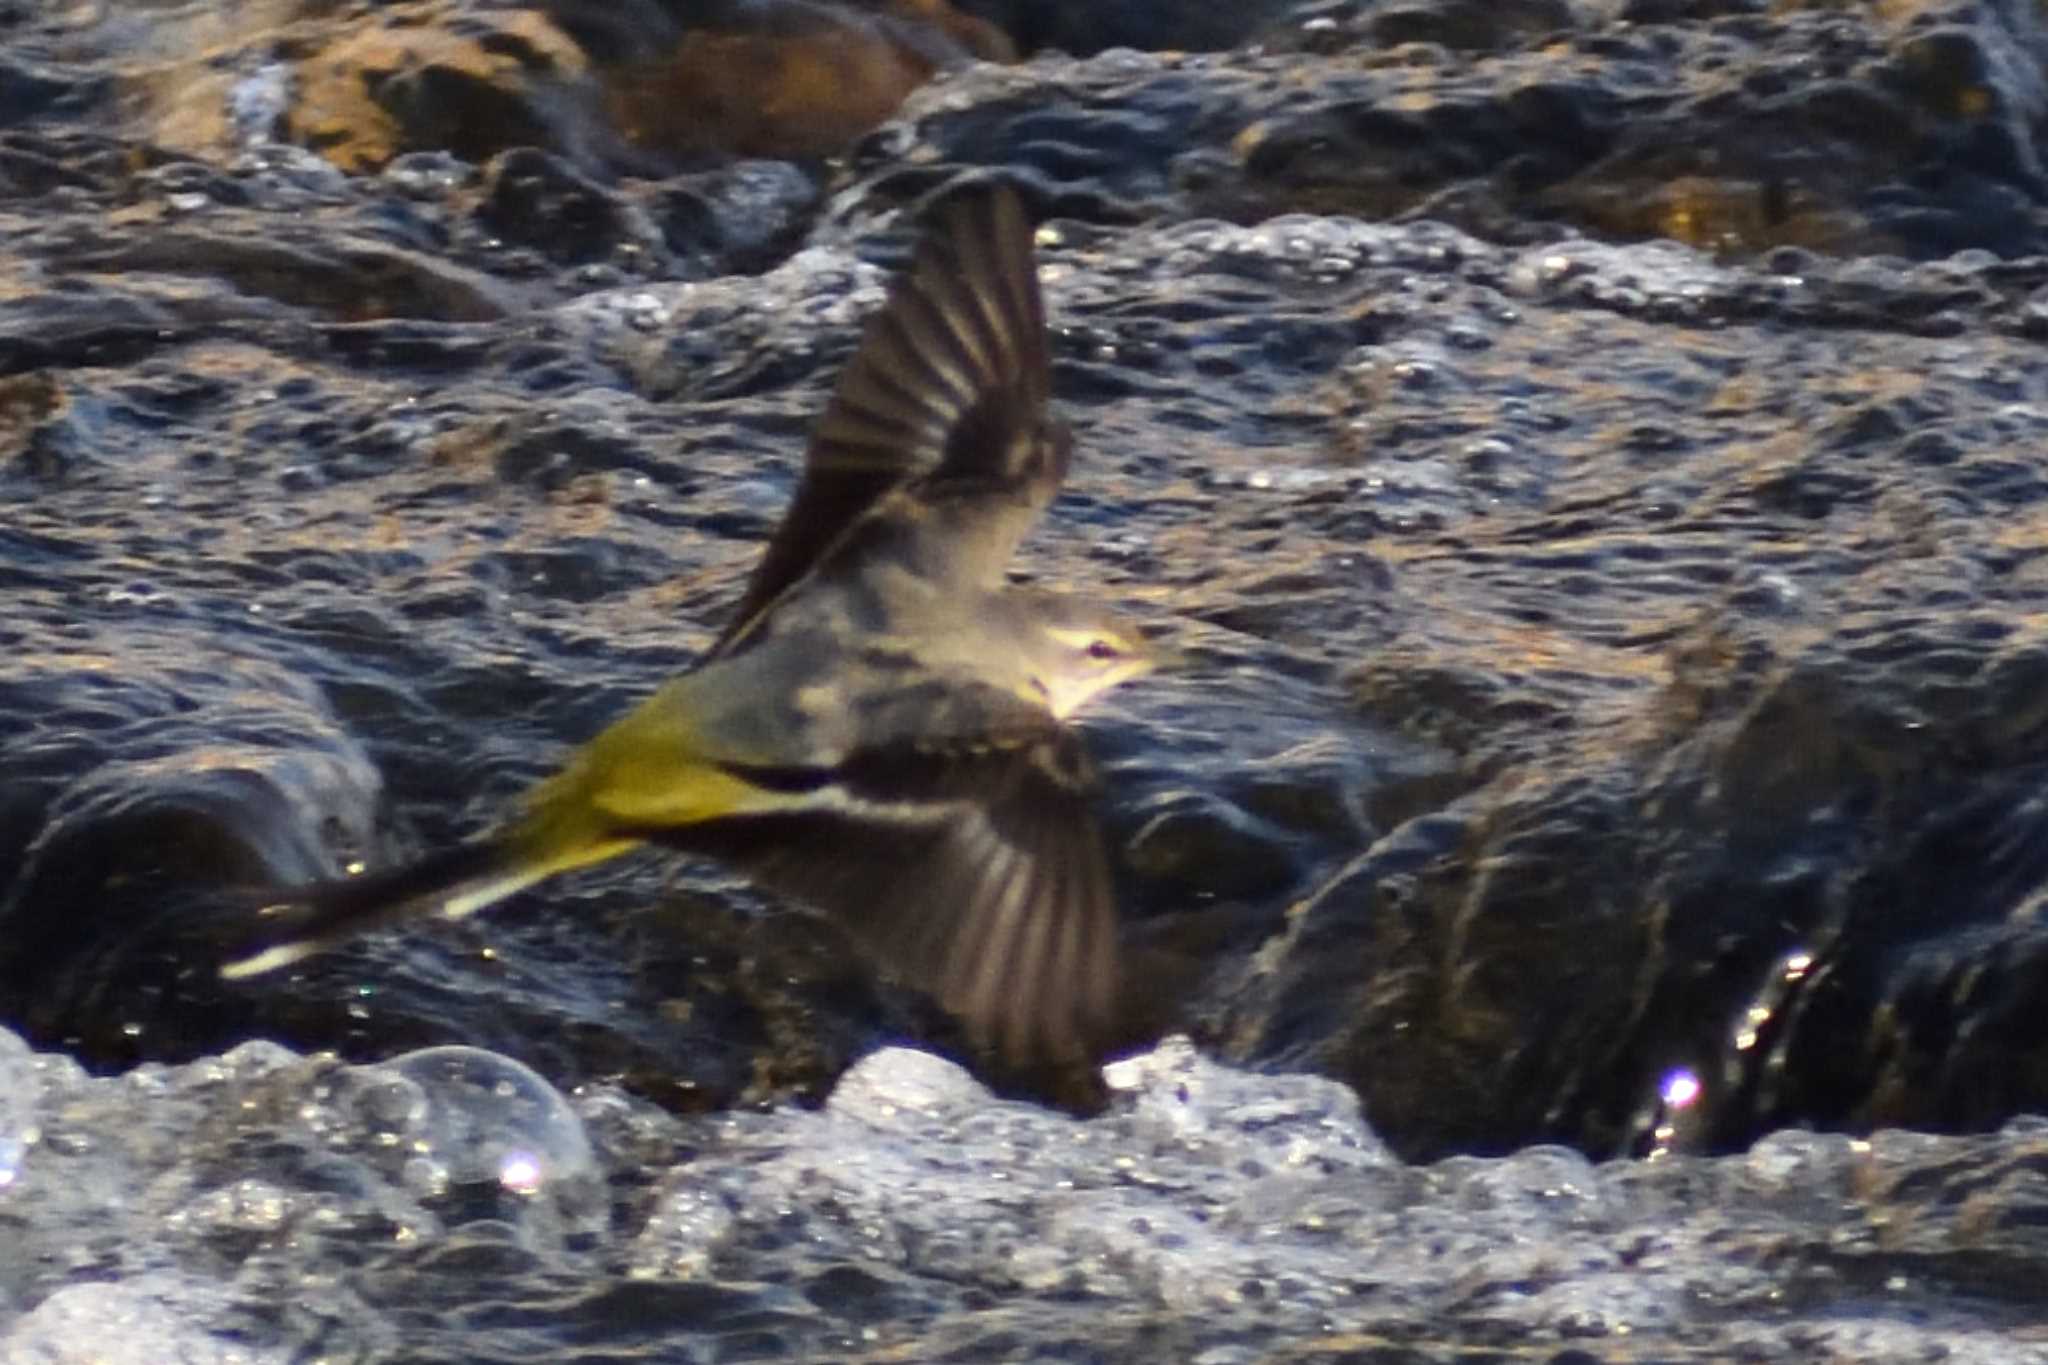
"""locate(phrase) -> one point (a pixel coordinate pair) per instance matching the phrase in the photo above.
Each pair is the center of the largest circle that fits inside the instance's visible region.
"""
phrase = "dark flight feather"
(975, 874)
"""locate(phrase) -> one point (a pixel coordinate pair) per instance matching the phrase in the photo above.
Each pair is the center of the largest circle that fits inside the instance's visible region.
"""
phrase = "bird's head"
(1075, 650)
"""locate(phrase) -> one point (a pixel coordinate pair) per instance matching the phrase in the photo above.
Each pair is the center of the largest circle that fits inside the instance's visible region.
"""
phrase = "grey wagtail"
(878, 731)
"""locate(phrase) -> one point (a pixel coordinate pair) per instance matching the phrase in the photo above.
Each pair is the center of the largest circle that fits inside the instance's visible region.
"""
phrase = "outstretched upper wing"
(948, 387)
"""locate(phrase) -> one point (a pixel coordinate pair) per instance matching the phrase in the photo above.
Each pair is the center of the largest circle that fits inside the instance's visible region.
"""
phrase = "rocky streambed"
(1589, 451)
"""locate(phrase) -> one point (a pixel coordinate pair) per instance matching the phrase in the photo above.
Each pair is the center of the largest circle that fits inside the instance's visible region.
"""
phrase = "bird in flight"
(879, 732)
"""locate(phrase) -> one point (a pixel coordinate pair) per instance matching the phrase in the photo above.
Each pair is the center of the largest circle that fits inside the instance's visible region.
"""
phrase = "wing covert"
(979, 877)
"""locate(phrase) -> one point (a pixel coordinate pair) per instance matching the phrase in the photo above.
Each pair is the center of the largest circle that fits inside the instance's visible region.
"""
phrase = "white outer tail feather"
(458, 902)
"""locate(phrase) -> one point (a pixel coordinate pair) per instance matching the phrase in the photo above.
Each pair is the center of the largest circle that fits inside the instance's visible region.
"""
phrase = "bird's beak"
(1163, 656)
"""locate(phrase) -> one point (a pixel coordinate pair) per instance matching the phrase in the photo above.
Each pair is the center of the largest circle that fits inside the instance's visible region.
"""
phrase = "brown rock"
(407, 80)
(796, 81)
(790, 79)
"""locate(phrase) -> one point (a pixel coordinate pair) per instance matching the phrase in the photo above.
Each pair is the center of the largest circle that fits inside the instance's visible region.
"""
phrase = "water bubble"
(488, 1118)
(471, 1135)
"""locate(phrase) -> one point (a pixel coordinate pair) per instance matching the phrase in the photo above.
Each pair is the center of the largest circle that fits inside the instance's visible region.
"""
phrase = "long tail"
(455, 882)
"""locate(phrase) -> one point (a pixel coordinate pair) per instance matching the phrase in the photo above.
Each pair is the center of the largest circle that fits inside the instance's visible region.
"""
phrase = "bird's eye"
(1103, 649)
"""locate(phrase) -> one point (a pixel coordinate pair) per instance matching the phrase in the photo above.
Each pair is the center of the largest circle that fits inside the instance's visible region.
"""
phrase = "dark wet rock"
(143, 791)
(1195, 846)
(1824, 130)
(624, 32)
(34, 89)
(1083, 29)
(738, 219)
(538, 200)
(332, 275)
(1770, 904)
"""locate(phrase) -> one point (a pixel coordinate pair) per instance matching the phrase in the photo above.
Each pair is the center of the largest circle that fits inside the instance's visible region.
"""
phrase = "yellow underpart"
(646, 773)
